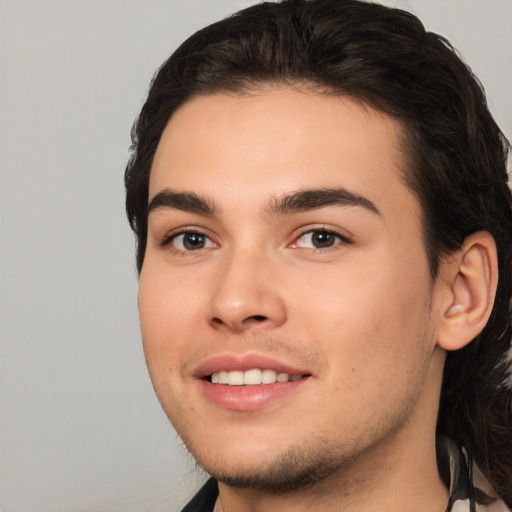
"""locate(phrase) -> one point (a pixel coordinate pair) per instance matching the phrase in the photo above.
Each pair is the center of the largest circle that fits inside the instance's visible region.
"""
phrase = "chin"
(298, 467)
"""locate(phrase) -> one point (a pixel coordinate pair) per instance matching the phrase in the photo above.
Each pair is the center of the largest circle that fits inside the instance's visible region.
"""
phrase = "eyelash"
(168, 239)
(342, 239)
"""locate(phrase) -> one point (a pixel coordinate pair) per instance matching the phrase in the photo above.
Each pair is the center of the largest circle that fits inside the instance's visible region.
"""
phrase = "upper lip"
(229, 362)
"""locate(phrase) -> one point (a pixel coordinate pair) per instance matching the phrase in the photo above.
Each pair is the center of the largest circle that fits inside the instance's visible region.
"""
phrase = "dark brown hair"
(456, 155)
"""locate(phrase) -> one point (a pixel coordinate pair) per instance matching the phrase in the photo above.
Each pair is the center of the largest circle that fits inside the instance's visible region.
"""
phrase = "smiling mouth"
(253, 377)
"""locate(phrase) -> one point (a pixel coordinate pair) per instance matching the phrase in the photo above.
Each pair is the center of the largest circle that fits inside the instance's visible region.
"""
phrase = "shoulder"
(496, 506)
(482, 487)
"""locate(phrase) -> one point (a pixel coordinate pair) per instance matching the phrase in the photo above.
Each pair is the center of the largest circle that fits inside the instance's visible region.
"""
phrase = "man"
(320, 200)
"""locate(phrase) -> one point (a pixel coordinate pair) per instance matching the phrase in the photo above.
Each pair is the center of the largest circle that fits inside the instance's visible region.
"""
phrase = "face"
(286, 306)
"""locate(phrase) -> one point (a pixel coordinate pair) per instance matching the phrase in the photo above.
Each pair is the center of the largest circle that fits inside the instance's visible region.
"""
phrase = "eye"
(319, 239)
(189, 241)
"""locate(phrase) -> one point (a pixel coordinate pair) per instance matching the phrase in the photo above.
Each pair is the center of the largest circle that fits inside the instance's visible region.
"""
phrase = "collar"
(466, 481)
(460, 490)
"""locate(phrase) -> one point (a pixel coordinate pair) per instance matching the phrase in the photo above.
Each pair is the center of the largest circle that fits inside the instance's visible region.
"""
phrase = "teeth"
(252, 377)
(236, 378)
(221, 377)
(268, 376)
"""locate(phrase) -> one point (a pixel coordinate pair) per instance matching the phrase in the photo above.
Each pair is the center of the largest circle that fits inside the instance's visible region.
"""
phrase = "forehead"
(266, 143)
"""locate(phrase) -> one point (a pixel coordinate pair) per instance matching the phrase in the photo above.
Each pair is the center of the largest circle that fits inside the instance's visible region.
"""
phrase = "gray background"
(80, 428)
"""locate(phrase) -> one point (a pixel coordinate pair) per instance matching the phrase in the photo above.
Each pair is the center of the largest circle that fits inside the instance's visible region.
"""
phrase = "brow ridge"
(184, 201)
(312, 199)
(300, 201)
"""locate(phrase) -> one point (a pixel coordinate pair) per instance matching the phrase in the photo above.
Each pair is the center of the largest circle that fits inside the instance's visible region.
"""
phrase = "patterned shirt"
(461, 487)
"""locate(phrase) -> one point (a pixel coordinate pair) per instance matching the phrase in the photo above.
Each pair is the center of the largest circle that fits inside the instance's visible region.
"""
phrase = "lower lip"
(248, 398)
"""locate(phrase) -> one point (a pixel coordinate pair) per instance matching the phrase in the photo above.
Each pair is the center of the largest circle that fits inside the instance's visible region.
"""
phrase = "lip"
(248, 398)
(243, 363)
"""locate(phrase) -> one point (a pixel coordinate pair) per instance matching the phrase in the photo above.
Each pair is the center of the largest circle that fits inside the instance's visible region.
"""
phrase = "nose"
(246, 295)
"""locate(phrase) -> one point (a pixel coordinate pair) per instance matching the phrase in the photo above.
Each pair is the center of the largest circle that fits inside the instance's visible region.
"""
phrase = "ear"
(469, 281)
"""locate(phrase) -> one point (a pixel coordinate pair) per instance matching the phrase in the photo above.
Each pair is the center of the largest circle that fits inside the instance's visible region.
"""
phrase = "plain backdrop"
(80, 427)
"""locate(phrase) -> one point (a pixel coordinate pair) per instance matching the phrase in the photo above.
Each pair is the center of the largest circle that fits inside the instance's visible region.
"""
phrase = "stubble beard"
(299, 467)
(317, 465)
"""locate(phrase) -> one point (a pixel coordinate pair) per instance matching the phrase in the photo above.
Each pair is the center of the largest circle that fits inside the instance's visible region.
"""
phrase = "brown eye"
(191, 241)
(322, 239)
(319, 239)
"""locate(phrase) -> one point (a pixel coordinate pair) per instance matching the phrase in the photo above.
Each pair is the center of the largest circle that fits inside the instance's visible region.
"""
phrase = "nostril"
(239, 324)
(256, 318)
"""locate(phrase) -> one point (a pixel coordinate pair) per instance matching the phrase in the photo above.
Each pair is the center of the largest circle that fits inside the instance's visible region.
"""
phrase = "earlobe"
(472, 279)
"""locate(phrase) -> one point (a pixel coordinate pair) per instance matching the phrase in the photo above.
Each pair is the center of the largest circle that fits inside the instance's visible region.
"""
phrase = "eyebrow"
(184, 201)
(300, 201)
(305, 200)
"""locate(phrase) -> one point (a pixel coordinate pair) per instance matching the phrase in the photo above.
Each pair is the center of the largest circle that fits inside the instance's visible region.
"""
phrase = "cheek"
(368, 317)
(168, 310)
(374, 338)
(165, 309)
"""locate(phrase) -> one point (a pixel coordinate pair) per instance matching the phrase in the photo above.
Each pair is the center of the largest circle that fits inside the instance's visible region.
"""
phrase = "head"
(453, 158)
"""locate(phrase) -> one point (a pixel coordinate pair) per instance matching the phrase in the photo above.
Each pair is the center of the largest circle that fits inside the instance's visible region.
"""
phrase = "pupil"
(193, 241)
(323, 239)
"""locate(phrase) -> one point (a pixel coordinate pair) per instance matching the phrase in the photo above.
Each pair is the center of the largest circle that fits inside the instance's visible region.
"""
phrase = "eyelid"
(166, 241)
(345, 238)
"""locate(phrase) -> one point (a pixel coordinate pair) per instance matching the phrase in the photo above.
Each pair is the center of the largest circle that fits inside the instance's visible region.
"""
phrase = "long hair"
(456, 159)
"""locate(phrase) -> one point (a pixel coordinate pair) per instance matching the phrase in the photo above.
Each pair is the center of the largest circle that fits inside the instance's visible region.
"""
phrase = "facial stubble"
(309, 465)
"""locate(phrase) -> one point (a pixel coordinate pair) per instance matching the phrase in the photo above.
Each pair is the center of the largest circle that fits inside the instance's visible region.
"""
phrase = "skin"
(360, 316)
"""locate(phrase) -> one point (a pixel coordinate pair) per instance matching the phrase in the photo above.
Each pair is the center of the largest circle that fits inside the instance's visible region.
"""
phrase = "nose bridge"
(245, 292)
